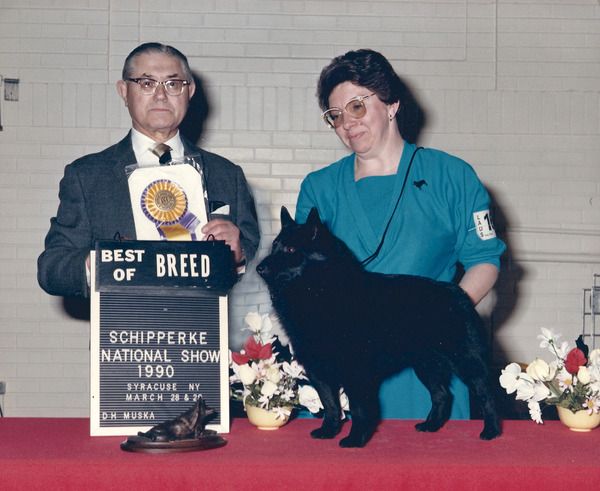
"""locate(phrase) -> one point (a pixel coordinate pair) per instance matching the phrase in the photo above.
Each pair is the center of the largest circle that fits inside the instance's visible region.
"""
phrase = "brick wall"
(510, 86)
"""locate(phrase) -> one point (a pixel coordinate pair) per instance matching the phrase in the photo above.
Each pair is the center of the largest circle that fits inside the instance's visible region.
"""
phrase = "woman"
(401, 209)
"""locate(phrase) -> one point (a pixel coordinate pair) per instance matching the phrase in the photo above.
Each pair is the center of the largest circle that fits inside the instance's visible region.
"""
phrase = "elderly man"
(95, 204)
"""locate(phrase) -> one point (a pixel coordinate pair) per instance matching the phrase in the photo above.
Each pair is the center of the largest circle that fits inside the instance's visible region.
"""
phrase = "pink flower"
(575, 359)
(253, 350)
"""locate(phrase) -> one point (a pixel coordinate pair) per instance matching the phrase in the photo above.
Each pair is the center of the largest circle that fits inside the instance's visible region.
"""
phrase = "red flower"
(253, 350)
(575, 359)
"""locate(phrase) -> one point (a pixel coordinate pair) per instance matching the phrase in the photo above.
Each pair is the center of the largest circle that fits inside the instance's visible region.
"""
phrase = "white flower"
(548, 337)
(555, 366)
(510, 377)
(281, 412)
(309, 398)
(562, 350)
(254, 321)
(527, 389)
(538, 369)
(273, 374)
(288, 395)
(260, 325)
(583, 375)
(294, 370)
(344, 401)
(246, 374)
(266, 335)
(565, 380)
(268, 388)
(535, 412)
(592, 405)
(594, 357)
(594, 373)
(530, 390)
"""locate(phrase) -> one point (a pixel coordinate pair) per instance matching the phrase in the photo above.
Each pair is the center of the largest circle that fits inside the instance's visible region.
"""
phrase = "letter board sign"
(159, 333)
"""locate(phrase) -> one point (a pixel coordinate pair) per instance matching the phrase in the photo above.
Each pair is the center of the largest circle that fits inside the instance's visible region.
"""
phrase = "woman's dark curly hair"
(373, 71)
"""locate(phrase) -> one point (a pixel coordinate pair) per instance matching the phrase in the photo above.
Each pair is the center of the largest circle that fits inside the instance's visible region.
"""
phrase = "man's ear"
(191, 89)
(286, 219)
(122, 90)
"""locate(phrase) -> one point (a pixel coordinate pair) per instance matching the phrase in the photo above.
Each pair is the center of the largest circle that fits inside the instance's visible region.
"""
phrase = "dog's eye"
(289, 249)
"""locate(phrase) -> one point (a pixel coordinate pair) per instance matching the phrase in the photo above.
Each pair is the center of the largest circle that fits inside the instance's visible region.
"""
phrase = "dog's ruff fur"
(351, 328)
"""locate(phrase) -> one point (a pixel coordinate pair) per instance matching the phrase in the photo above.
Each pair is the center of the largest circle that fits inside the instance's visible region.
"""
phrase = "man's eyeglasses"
(355, 108)
(149, 85)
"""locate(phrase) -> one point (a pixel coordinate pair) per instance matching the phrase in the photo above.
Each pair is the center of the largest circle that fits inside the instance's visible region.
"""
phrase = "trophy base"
(208, 440)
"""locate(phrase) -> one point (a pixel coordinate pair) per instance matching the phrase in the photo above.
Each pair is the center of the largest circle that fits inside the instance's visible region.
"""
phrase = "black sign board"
(159, 333)
(206, 266)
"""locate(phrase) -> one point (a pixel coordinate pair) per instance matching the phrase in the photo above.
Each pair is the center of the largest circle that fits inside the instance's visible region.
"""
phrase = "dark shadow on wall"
(411, 117)
(192, 126)
(511, 274)
(506, 302)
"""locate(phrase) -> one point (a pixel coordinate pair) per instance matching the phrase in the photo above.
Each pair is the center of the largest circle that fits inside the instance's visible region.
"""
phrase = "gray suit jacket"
(95, 205)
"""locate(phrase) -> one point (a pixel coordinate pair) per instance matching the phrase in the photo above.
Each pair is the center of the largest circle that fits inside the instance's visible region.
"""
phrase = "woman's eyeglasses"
(355, 108)
(149, 85)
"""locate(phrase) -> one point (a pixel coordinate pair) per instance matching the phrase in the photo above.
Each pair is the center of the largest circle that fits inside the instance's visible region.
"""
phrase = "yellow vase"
(578, 421)
(265, 420)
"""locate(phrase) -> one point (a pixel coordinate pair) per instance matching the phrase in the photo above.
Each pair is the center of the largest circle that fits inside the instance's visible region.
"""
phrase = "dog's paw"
(325, 432)
(428, 426)
(353, 442)
(490, 433)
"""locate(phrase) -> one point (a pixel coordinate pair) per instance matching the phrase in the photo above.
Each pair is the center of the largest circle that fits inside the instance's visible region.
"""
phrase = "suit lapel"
(123, 156)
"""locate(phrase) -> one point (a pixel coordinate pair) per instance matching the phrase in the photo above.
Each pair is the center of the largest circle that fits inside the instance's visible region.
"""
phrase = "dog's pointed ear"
(286, 218)
(313, 217)
(314, 222)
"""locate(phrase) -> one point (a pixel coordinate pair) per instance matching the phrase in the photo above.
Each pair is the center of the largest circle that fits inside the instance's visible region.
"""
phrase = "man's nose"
(160, 92)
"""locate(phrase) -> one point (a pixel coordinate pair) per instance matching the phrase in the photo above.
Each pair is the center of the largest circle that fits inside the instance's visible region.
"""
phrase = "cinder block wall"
(510, 86)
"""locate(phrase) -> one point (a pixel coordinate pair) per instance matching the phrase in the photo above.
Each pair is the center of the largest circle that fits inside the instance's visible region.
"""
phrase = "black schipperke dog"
(351, 328)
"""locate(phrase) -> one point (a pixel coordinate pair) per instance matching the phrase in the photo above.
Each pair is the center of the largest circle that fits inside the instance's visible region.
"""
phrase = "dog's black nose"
(261, 269)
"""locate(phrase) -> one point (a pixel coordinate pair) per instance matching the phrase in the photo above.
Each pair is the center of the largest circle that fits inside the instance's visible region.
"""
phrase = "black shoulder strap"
(366, 261)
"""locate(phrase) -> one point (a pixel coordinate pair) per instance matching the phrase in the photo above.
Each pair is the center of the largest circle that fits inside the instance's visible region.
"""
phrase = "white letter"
(205, 265)
(160, 265)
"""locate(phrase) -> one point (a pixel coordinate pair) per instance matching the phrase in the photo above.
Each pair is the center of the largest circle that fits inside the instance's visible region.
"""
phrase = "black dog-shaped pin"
(351, 328)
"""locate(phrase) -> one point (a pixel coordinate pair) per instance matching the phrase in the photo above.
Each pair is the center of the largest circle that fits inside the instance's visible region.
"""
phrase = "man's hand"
(225, 230)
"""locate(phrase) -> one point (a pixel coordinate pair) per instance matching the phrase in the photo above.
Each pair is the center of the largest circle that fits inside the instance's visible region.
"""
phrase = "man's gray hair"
(155, 48)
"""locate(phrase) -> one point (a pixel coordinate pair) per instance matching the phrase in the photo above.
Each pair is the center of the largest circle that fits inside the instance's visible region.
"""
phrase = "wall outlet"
(2, 388)
(11, 89)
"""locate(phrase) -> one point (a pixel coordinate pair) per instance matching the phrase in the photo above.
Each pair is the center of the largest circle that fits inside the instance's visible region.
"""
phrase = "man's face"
(156, 115)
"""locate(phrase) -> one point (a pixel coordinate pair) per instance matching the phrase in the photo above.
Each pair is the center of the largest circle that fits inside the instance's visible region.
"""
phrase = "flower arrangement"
(571, 380)
(265, 373)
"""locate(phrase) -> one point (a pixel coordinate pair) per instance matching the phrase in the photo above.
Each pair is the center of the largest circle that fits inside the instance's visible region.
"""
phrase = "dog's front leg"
(332, 414)
(365, 410)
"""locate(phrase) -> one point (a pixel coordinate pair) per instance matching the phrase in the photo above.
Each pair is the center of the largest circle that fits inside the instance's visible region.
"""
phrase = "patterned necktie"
(163, 152)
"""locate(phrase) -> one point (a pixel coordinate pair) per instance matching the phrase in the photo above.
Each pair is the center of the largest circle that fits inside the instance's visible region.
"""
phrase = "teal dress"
(442, 220)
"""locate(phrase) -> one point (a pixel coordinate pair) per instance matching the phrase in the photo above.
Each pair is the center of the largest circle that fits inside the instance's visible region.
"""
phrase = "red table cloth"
(57, 453)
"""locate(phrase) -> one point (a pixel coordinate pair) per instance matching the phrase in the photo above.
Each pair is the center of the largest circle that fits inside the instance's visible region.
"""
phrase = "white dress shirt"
(143, 145)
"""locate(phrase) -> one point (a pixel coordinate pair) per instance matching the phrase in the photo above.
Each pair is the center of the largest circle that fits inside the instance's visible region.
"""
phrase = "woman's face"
(368, 135)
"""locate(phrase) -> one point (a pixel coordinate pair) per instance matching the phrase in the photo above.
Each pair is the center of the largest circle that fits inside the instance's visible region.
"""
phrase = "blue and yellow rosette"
(165, 203)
